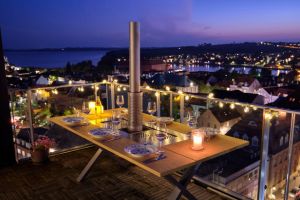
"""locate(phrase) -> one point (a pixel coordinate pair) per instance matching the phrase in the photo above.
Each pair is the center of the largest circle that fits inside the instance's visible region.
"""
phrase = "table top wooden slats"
(179, 155)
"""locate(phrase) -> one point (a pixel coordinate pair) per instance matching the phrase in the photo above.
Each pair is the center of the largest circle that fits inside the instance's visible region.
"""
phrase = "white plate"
(73, 121)
(140, 150)
(100, 132)
(167, 120)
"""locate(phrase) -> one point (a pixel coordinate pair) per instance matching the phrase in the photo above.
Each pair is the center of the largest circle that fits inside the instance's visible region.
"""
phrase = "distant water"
(52, 59)
(240, 70)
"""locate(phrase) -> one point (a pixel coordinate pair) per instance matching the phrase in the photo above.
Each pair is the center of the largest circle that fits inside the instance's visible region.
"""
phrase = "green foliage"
(203, 88)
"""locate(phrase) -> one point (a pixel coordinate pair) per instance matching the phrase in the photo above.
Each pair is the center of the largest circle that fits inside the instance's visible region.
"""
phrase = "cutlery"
(160, 156)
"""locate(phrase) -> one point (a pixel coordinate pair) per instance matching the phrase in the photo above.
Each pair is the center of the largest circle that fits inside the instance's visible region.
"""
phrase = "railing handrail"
(227, 101)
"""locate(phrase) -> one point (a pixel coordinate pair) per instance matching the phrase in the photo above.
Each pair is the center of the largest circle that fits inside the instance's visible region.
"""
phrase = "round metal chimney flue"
(135, 123)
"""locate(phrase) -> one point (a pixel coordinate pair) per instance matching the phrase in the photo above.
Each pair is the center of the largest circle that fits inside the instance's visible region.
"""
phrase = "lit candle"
(198, 139)
(92, 106)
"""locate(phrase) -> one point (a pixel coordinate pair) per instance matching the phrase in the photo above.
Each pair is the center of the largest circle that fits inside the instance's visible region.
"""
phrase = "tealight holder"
(198, 136)
(92, 107)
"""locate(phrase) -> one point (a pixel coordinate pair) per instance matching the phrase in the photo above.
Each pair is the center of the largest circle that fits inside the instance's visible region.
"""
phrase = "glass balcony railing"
(268, 168)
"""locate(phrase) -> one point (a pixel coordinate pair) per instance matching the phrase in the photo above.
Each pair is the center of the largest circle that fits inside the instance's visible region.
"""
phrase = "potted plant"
(40, 150)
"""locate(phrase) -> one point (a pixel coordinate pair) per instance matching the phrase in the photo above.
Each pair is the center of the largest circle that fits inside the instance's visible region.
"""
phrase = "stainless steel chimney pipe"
(135, 123)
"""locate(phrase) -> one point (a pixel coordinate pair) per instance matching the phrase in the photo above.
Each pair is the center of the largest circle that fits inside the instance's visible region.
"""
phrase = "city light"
(232, 106)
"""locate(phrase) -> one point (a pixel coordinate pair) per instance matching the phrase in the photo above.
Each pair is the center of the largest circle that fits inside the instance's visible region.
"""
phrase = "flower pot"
(39, 155)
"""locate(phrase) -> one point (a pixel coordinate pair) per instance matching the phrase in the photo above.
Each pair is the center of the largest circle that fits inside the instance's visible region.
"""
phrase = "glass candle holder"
(198, 139)
(92, 107)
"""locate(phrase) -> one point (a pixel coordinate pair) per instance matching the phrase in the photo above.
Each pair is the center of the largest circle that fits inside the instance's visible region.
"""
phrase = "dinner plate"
(100, 132)
(140, 150)
(167, 120)
(73, 121)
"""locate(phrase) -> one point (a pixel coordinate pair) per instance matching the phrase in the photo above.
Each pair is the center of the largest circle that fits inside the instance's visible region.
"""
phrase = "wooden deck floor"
(110, 178)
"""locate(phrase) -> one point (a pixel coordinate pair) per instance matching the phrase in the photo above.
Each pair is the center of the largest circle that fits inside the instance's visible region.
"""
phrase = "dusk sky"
(104, 23)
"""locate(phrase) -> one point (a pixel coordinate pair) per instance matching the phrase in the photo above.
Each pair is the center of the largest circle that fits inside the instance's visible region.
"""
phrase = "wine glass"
(151, 108)
(76, 111)
(120, 101)
(191, 120)
(85, 108)
(116, 120)
(161, 136)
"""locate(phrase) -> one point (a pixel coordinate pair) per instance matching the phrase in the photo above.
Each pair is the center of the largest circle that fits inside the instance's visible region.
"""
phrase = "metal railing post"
(264, 154)
(171, 104)
(95, 92)
(29, 111)
(181, 108)
(157, 94)
(290, 156)
(112, 94)
(106, 93)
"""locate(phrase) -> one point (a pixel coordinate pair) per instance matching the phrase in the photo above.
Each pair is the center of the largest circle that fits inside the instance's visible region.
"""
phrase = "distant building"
(238, 96)
(268, 96)
(42, 81)
(245, 84)
(180, 82)
(220, 119)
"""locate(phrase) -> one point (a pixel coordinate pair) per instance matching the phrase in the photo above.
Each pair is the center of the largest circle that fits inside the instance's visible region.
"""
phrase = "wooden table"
(179, 155)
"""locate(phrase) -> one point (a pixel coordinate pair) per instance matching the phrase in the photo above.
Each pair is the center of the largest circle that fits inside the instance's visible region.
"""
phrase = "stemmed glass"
(161, 136)
(151, 108)
(120, 101)
(116, 120)
(76, 111)
(191, 120)
(85, 109)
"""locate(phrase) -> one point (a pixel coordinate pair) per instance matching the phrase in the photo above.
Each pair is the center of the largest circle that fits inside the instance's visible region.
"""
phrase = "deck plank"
(108, 179)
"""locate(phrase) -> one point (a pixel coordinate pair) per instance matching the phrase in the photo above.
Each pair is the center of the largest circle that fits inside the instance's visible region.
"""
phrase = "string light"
(221, 104)
(55, 91)
(210, 95)
(81, 89)
(268, 115)
(232, 106)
